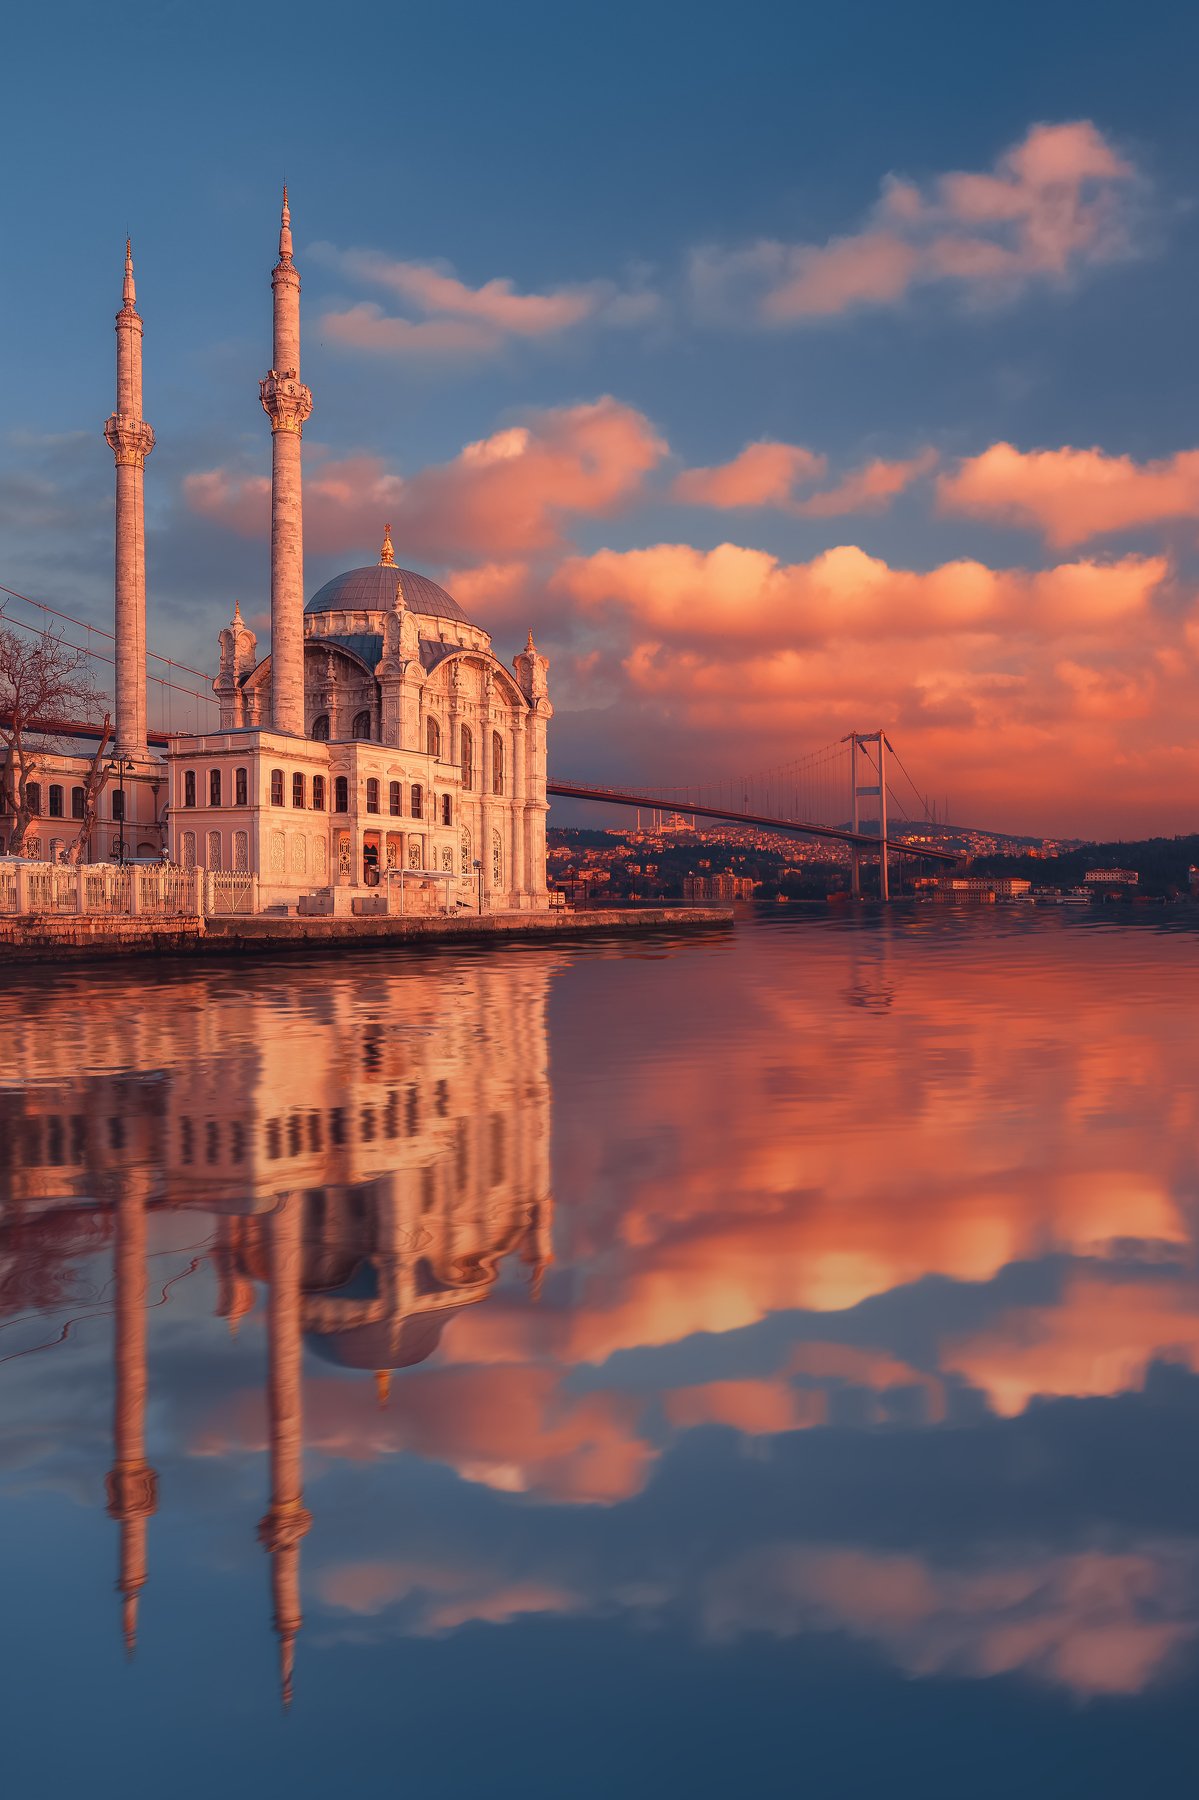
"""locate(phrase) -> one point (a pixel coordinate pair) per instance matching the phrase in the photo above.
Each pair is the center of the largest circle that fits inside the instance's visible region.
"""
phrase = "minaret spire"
(285, 245)
(287, 403)
(131, 440)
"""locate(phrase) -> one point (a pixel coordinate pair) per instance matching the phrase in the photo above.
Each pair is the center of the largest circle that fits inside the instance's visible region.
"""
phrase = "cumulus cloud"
(1071, 495)
(460, 320)
(499, 500)
(695, 596)
(767, 475)
(1054, 204)
(1023, 682)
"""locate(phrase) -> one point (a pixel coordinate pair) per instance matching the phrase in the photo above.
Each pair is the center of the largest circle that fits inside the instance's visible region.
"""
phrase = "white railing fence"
(99, 890)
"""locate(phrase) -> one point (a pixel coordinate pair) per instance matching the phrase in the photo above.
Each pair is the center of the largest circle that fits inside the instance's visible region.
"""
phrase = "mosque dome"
(386, 1344)
(372, 590)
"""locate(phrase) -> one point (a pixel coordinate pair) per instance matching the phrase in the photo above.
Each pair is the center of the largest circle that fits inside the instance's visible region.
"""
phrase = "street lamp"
(479, 867)
(120, 766)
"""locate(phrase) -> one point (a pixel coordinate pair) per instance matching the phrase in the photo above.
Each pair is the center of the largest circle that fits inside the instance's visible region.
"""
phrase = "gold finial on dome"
(387, 556)
(383, 1385)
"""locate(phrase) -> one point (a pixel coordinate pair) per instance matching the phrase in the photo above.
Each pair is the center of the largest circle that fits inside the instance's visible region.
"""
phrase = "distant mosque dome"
(373, 591)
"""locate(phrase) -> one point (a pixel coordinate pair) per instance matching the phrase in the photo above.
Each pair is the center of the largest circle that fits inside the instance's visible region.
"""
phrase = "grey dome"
(373, 590)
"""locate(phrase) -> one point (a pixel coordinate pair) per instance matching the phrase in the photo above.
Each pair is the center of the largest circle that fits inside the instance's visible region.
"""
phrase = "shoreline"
(46, 938)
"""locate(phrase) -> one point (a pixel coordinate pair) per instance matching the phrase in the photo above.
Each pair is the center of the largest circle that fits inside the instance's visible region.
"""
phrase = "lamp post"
(120, 766)
(479, 867)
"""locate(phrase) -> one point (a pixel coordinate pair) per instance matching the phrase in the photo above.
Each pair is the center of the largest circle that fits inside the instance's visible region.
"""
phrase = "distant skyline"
(788, 374)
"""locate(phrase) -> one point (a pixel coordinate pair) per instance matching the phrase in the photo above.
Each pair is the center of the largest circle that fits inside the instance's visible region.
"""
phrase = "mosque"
(379, 733)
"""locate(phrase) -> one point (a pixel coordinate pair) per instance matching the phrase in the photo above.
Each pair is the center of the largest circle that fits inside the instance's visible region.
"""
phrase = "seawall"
(38, 938)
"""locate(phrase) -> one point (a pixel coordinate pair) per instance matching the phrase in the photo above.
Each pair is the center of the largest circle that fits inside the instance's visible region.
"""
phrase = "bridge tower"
(857, 742)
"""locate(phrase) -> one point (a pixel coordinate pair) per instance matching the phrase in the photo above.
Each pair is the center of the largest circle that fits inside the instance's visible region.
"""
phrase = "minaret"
(286, 1521)
(131, 441)
(132, 1484)
(287, 403)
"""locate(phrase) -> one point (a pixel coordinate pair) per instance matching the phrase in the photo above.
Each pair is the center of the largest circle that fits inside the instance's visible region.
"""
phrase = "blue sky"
(599, 158)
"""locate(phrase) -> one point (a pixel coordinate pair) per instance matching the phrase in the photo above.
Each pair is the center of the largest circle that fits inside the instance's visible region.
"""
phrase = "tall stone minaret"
(131, 441)
(132, 1484)
(287, 403)
(286, 1520)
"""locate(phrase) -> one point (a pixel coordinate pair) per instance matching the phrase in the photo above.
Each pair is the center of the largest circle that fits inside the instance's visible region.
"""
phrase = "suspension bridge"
(818, 796)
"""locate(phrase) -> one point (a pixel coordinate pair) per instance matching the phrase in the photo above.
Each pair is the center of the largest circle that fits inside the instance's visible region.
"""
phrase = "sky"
(789, 370)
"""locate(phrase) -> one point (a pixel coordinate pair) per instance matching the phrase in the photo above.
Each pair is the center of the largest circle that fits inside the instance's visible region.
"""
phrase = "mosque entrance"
(370, 858)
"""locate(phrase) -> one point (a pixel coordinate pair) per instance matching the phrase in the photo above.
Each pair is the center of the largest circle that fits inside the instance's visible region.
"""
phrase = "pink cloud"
(1070, 495)
(766, 474)
(465, 321)
(1095, 1622)
(761, 475)
(440, 1597)
(499, 500)
(1052, 205)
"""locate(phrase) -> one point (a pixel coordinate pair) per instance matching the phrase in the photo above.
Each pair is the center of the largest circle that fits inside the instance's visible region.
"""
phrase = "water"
(759, 1362)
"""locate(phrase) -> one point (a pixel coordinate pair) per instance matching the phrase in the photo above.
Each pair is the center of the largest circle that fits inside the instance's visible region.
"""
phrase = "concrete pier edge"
(43, 938)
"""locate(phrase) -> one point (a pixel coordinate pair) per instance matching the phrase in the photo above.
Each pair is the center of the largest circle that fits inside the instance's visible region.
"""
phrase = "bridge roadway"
(569, 790)
(865, 840)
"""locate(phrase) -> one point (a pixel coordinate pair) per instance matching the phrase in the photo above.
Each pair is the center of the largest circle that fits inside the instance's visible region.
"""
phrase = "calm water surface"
(763, 1363)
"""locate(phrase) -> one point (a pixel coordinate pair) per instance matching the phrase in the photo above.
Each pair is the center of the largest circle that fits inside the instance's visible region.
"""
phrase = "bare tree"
(93, 782)
(44, 683)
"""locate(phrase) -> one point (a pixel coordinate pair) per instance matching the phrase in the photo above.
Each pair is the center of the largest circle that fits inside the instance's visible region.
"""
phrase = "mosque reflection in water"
(368, 1176)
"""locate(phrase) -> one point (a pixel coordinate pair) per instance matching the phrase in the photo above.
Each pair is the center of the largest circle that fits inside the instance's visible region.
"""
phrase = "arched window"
(239, 787)
(298, 785)
(214, 849)
(214, 787)
(33, 794)
(468, 757)
(418, 801)
(395, 803)
(318, 793)
(320, 728)
(447, 810)
(77, 799)
(55, 801)
(362, 726)
(189, 849)
(497, 763)
(432, 737)
(341, 794)
(189, 787)
(372, 795)
(276, 787)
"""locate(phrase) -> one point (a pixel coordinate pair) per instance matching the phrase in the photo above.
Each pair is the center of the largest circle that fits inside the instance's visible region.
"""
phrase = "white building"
(380, 732)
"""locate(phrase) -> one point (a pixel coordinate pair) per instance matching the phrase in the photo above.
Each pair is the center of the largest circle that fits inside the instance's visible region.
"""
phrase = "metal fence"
(230, 892)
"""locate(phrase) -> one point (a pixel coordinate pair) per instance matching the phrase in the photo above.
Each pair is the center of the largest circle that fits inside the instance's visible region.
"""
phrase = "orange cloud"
(499, 499)
(1052, 205)
(461, 320)
(697, 596)
(756, 1408)
(767, 474)
(1071, 495)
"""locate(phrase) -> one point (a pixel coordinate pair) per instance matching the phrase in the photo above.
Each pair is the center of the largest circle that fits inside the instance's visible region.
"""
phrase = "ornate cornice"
(130, 440)
(285, 401)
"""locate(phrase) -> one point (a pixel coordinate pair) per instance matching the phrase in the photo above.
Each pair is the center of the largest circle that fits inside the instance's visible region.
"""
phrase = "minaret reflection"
(286, 1520)
(372, 1155)
(132, 1485)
